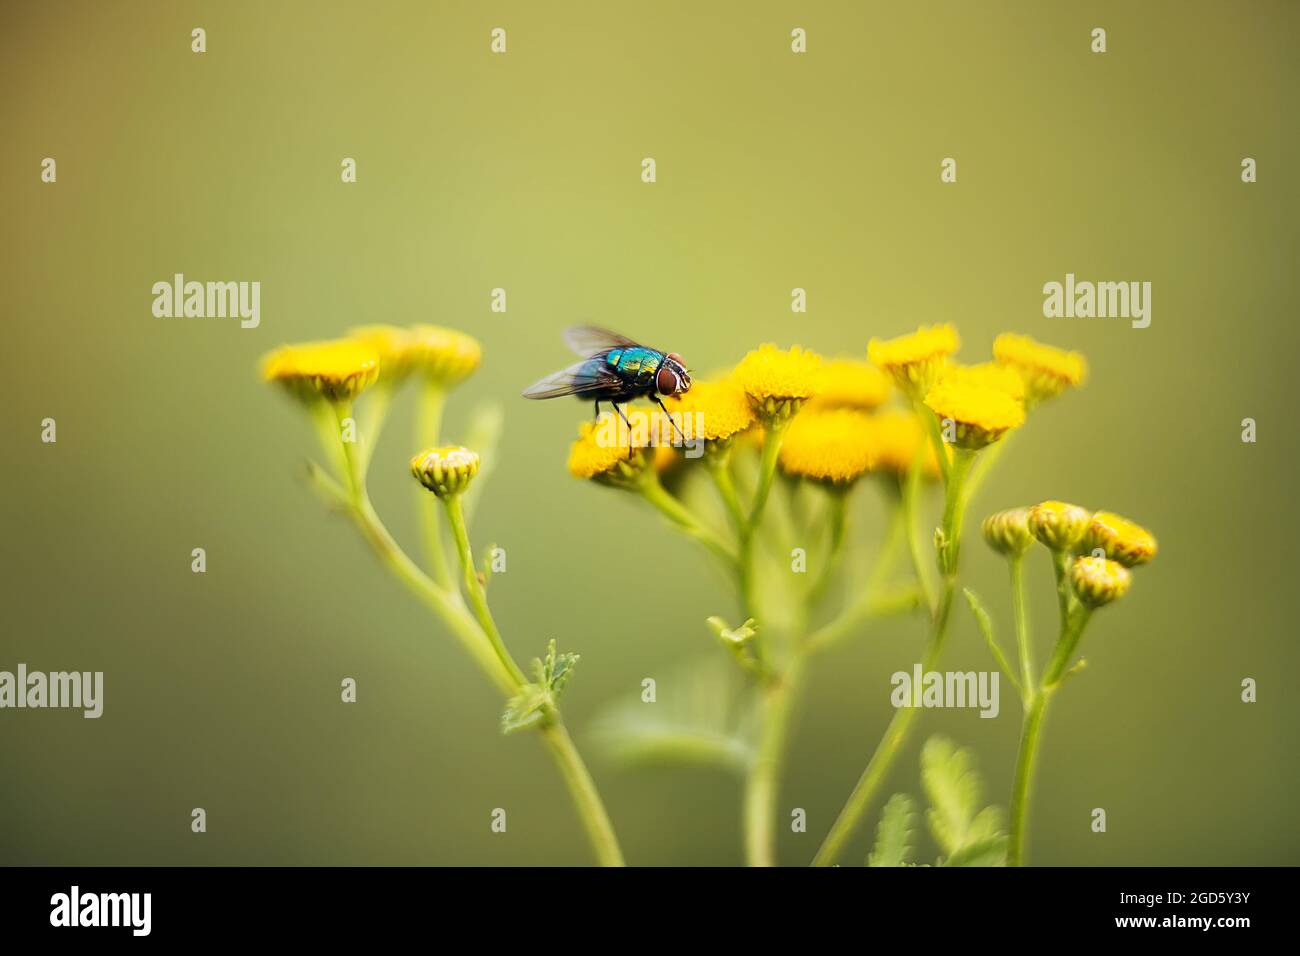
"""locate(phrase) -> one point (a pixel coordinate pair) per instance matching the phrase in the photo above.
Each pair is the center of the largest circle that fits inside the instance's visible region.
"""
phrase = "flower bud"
(445, 471)
(1007, 532)
(1098, 581)
(1120, 539)
(1058, 525)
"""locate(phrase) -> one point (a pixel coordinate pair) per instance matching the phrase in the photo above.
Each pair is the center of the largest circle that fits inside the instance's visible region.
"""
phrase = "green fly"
(615, 369)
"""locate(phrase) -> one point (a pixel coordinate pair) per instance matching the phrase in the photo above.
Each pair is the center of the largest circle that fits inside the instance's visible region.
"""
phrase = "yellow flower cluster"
(1107, 545)
(445, 471)
(778, 381)
(336, 370)
(340, 369)
(915, 360)
(1119, 539)
(1099, 581)
(1046, 370)
(981, 414)
(897, 438)
(608, 451)
(849, 383)
(1058, 524)
(443, 356)
(986, 375)
(723, 409)
(833, 446)
(1008, 531)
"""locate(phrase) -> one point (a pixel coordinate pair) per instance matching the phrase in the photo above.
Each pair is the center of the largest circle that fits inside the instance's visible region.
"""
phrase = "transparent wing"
(588, 340)
(583, 378)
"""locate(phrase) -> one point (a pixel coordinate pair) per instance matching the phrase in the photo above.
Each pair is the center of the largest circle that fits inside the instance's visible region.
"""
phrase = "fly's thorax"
(637, 365)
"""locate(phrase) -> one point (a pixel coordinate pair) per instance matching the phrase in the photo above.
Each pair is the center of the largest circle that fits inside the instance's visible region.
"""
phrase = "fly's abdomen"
(636, 366)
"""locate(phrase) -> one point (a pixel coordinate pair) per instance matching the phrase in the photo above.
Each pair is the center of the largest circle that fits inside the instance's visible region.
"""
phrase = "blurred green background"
(522, 171)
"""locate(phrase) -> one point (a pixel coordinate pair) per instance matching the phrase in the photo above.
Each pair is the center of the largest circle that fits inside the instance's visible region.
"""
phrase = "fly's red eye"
(676, 358)
(666, 382)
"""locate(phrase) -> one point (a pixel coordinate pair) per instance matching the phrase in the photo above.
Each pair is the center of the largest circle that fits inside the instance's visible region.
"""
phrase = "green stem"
(496, 662)
(454, 615)
(582, 789)
(838, 506)
(988, 459)
(895, 736)
(869, 598)
(379, 399)
(680, 515)
(764, 778)
(933, 429)
(954, 508)
(1017, 564)
(428, 427)
(1064, 593)
(356, 480)
(720, 469)
(474, 587)
(1072, 629)
(772, 440)
(1030, 733)
(920, 567)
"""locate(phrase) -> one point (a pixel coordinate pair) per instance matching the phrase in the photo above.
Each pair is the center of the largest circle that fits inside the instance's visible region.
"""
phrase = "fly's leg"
(597, 417)
(629, 428)
(660, 402)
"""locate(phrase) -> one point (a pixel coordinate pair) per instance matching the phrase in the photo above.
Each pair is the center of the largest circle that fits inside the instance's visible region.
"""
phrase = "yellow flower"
(337, 370)
(1047, 371)
(1120, 539)
(1059, 525)
(445, 356)
(849, 383)
(915, 360)
(665, 458)
(981, 414)
(608, 452)
(832, 446)
(714, 411)
(392, 343)
(1098, 581)
(897, 437)
(1007, 532)
(987, 375)
(445, 471)
(777, 381)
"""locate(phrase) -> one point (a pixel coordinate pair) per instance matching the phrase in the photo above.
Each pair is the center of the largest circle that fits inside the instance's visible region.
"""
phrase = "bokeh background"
(522, 171)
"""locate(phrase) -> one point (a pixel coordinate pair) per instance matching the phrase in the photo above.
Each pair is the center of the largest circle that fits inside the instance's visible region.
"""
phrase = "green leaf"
(555, 671)
(955, 792)
(894, 833)
(525, 709)
(733, 635)
(739, 641)
(981, 615)
(991, 851)
(528, 707)
(986, 628)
